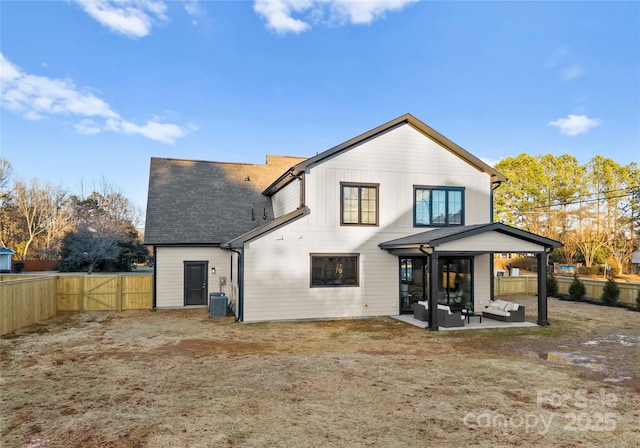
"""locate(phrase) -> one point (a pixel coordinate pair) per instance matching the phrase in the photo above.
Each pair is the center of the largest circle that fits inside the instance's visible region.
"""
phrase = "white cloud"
(36, 97)
(133, 18)
(279, 13)
(86, 127)
(571, 73)
(575, 124)
(153, 130)
(193, 8)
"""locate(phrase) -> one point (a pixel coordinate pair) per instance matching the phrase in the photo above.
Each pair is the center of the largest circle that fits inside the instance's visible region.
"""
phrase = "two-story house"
(396, 215)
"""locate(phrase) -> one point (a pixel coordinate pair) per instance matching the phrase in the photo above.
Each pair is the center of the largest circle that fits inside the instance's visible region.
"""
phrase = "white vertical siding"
(277, 264)
(170, 272)
(277, 276)
(482, 278)
(287, 199)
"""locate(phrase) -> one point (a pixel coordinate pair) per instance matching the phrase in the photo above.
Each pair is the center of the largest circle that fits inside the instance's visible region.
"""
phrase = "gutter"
(240, 316)
(492, 266)
(155, 277)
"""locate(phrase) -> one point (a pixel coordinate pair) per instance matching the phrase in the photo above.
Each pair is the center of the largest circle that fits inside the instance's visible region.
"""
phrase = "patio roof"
(473, 240)
(489, 237)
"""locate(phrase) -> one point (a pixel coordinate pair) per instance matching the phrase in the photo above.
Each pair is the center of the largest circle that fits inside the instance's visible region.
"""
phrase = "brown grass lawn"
(179, 379)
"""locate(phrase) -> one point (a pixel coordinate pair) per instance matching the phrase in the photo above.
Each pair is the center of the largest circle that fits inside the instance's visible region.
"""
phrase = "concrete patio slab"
(473, 325)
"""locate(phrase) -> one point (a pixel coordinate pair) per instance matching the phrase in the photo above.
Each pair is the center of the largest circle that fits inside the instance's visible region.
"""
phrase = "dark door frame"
(186, 278)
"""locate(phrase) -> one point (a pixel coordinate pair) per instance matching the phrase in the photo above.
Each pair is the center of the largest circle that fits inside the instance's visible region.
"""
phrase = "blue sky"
(93, 89)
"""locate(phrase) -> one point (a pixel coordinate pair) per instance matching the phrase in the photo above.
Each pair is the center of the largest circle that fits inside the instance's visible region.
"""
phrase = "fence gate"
(101, 293)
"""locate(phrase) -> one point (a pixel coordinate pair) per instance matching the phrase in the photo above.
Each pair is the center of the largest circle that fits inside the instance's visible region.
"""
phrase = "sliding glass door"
(454, 282)
(414, 282)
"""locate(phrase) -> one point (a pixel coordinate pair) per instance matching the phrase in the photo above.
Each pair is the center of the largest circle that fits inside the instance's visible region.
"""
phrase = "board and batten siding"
(482, 278)
(397, 160)
(287, 199)
(278, 275)
(170, 272)
(278, 266)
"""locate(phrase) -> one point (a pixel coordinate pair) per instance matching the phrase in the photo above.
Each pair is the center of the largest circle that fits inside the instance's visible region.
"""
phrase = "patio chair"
(448, 318)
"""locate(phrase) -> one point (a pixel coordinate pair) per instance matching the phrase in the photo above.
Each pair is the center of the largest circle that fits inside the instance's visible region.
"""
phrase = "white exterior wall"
(170, 273)
(287, 199)
(277, 264)
(482, 278)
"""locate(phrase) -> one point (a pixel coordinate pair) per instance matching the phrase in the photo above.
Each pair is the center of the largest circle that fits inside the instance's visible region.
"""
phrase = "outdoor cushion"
(505, 311)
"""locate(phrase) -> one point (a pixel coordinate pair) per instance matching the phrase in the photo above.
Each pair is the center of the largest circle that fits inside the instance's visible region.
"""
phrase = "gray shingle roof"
(198, 202)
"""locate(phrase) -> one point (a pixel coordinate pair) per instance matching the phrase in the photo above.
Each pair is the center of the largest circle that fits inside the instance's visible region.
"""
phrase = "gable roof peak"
(407, 119)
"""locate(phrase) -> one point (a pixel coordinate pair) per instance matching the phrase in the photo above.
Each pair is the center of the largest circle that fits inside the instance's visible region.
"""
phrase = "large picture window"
(334, 270)
(438, 206)
(359, 204)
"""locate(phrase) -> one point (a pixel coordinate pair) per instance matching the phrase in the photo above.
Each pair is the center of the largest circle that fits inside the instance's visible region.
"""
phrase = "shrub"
(18, 266)
(611, 291)
(552, 286)
(591, 270)
(577, 290)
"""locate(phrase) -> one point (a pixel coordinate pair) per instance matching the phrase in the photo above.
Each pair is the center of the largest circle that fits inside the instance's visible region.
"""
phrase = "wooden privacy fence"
(27, 300)
(515, 285)
(104, 292)
(529, 285)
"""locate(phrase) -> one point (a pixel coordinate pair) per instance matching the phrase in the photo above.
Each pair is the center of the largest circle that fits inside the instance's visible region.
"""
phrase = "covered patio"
(448, 257)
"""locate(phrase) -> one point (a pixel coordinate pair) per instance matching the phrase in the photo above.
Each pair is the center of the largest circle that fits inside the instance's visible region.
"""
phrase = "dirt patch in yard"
(177, 378)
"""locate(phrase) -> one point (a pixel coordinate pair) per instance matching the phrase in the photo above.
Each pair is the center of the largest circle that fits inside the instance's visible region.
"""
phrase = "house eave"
(430, 239)
(238, 243)
(297, 170)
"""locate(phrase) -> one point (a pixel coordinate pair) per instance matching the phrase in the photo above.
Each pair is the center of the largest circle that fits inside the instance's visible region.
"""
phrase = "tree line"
(93, 231)
(593, 209)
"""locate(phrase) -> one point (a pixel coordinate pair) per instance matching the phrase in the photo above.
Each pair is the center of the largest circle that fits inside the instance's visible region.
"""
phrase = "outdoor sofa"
(504, 311)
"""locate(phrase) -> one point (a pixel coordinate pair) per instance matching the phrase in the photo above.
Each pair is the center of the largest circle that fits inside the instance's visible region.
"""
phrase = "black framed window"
(438, 206)
(334, 270)
(359, 204)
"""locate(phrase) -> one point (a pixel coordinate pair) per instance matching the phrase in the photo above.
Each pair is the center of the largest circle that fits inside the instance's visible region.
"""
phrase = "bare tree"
(33, 203)
(590, 240)
(7, 223)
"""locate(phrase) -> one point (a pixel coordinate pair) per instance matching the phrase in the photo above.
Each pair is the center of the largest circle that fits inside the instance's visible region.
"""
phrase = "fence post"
(119, 292)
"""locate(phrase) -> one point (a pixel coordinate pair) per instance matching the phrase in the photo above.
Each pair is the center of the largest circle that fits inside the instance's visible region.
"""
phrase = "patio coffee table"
(469, 314)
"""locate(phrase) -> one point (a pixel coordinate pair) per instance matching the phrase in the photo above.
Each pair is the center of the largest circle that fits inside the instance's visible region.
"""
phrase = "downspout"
(433, 288)
(300, 177)
(492, 268)
(240, 317)
(494, 187)
(155, 277)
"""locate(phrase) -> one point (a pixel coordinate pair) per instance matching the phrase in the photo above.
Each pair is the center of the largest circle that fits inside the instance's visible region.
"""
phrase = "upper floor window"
(359, 204)
(438, 206)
